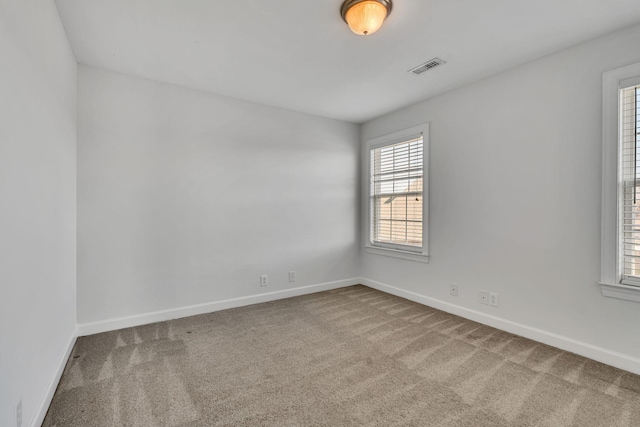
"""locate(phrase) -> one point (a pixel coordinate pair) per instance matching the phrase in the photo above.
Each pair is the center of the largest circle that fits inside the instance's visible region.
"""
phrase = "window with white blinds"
(620, 209)
(397, 182)
(630, 172)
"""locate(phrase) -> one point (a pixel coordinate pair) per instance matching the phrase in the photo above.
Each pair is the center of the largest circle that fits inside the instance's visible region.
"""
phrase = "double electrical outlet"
(264, 279)
(486, 297)
(490, 298)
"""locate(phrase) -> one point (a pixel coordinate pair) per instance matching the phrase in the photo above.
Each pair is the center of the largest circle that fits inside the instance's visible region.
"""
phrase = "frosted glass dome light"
(365, 17)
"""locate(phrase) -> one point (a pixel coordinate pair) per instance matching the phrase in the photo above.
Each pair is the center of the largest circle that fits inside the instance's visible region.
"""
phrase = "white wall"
(37, 205)
(515, 196)
(187, 198)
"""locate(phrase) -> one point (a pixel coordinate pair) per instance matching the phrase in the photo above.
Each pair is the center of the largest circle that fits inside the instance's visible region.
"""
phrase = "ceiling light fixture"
(365, 17)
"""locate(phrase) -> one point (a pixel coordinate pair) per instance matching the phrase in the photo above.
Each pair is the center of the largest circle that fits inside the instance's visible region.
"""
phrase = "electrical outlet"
(493, 299)
(19, 414)
(453, 289)
(292, 276)
(264, 280)
(484, 297)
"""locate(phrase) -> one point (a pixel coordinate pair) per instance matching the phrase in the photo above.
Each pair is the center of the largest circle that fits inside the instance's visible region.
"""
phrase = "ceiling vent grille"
(432, 63)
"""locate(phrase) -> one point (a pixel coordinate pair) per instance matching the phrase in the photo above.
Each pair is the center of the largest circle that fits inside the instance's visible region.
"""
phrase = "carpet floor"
(347, 357)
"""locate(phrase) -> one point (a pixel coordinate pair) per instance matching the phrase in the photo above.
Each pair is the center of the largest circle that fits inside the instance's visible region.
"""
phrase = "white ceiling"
(300, 55)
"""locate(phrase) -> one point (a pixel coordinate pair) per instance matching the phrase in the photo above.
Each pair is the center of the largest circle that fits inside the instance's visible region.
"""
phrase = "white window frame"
(419, 254)
(611, 261)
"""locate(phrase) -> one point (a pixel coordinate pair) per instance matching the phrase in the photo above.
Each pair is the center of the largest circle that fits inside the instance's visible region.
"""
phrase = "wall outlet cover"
(484, 297)
(453, 289)
(493, 299)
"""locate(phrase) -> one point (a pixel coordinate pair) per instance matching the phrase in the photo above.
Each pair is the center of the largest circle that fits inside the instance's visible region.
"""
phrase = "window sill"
(625, 292)
(394, 253)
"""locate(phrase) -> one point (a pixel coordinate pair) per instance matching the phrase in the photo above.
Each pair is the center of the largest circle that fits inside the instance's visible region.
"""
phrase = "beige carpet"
(348, 357)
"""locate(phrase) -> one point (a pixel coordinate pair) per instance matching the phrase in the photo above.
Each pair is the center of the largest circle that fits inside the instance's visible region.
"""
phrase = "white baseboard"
(176, 313)
(619, 360)
(41, 412)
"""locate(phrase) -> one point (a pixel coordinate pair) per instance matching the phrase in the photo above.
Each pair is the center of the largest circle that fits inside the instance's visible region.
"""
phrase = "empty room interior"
(300, 213)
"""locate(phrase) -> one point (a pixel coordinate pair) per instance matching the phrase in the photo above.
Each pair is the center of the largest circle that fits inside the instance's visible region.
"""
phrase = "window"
(397, 194)
(620, 264)
(630, 198)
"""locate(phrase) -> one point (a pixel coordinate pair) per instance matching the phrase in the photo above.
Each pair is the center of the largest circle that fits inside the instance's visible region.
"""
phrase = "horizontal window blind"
(630, 158)
(396, 194)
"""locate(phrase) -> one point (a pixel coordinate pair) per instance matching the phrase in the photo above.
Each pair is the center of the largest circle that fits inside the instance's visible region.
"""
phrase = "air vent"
(427, 66)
